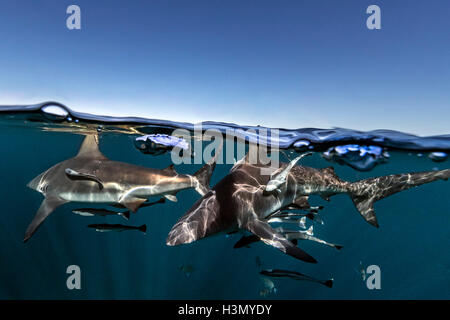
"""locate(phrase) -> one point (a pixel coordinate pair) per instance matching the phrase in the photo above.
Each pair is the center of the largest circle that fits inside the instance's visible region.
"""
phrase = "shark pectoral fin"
(132, 203)
(171, 197)
(76, 175)
(245, 241)
(47, 206)
(203, 175)
(269, 236)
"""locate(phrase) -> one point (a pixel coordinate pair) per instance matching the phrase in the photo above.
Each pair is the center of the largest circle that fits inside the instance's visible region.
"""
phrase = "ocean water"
(411, 247)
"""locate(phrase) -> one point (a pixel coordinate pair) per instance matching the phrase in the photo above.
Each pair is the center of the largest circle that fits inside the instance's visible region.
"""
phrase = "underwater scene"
(343, 214)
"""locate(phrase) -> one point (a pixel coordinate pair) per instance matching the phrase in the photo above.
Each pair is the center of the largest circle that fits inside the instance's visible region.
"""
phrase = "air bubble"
(363, 158)
(301, 145)
(438, 156)
(54, 112)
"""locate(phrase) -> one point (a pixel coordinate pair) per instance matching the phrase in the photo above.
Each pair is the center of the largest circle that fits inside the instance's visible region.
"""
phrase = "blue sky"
(276, 63)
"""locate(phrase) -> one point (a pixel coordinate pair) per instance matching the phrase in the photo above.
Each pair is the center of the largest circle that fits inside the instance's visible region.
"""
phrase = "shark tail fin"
(328, 283)
(203, 176)
(365, 193)
(143, 228)
(126, 215)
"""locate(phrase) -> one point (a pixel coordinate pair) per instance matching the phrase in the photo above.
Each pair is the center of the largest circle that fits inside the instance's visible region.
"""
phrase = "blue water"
(411, 247)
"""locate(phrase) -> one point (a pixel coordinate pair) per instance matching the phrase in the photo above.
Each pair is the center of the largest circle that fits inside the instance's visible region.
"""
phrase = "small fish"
(246, 240)
(91, 212)
(279, 177)
(283, 220)
(289, 219)
(187, 269)
(294, 217)
(307, 235)
(291, 235)
(293, 206)
(76, 175)
(279, 273)
(145, 204)
(104, 227)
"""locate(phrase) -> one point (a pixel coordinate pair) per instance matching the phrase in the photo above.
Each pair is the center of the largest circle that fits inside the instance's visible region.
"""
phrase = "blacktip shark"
(93, 178)
(239, 201)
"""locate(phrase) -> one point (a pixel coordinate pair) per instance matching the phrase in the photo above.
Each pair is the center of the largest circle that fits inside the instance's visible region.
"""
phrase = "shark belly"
(99, 197)
(88, 191)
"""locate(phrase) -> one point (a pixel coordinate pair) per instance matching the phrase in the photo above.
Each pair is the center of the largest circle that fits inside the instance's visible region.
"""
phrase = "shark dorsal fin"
(251, 158)
(89, 147)
(330, 170)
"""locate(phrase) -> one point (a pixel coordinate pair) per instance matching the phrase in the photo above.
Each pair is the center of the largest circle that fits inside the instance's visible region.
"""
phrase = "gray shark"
(239, 201)
(91, 177)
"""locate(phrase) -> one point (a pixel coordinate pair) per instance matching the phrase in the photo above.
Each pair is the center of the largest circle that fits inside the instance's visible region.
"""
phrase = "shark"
(90, 177)
(239, 201)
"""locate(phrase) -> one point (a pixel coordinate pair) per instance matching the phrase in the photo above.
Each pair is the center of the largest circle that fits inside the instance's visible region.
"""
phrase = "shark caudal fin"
(365, 193)
(143, 228)
(328, 283)
(125, 215)
(203, 176)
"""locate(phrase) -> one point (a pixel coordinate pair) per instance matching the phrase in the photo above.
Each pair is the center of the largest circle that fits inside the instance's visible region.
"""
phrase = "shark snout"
(200, 221)
(183, 232)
